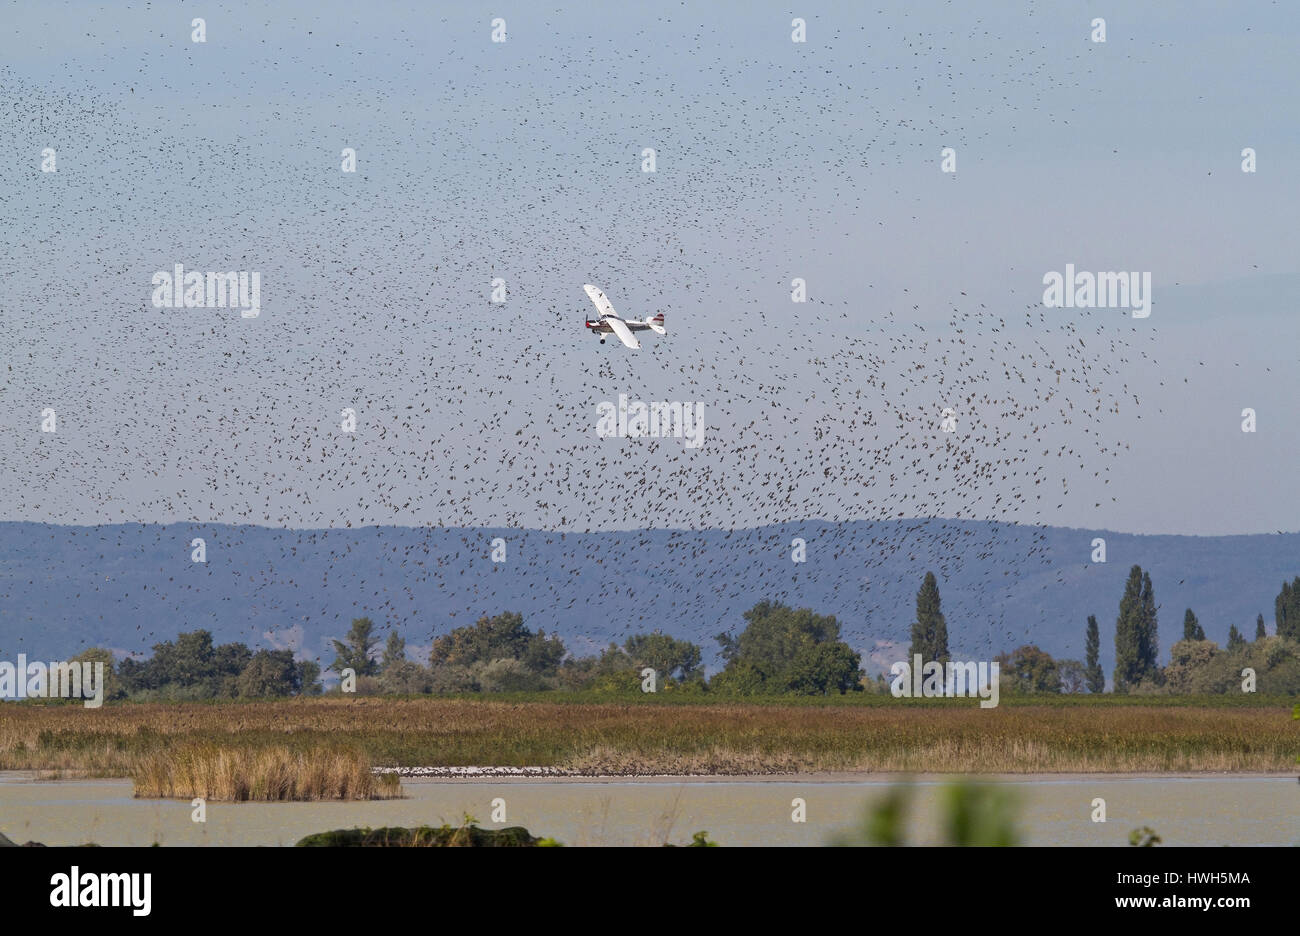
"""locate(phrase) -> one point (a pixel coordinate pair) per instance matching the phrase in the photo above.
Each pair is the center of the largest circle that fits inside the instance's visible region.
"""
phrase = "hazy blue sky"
(775, 160)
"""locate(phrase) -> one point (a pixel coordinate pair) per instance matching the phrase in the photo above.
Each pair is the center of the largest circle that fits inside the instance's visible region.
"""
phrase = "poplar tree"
(1260, 632)
(1128, 634)
(1150, 645)
(1286, 610)
(929, 631)
(1192, 629)
(394, 652)
(1093, 676)
(1235, 640)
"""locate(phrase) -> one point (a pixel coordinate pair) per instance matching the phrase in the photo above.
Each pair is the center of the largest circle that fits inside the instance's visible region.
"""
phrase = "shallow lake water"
(1208, 811)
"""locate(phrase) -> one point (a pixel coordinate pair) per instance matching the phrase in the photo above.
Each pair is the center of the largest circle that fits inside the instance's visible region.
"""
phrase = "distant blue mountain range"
(128, 586)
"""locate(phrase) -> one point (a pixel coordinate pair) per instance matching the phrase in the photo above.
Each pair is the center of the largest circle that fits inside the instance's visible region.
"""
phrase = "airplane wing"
(610, 317)
(603, 305)
(624, 333)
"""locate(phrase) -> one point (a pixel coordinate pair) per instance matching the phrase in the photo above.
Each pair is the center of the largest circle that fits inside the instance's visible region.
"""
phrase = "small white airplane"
(608, 321)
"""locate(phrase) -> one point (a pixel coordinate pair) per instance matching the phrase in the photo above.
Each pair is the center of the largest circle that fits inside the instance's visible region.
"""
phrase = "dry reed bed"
(622, 738)
(268, 774)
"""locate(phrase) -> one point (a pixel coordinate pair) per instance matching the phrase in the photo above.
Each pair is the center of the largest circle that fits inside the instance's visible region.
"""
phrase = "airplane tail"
(656, 323)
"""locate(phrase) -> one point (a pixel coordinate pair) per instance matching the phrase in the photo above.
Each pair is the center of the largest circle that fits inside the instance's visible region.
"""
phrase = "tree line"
(780, 651)
(1197, 664)
(192, 668)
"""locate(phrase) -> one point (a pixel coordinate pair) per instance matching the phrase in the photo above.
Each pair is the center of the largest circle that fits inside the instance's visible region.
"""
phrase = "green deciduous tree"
(1195, 667)
(469, 657)
(1029, 670)
(1073, 676)
(309, 677)
(611, 671)
(270, 673)
(670, 658)
(500, 637)
(825, 668)
(189, 660)
(397, 674)
(783, 650)
(358, 651)
(190, 667)
(1192, 629)
(92, 655)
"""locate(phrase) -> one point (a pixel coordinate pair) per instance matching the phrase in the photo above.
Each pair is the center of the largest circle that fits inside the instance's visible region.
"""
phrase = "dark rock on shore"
(6, 842)
(468, 836)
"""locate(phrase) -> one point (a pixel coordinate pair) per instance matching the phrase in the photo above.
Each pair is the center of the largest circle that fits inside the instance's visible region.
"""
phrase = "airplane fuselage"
(601, 327)
(609, 323)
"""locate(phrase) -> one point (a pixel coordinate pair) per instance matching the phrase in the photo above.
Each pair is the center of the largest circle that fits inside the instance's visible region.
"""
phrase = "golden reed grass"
(630, 738)
(268, 774)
